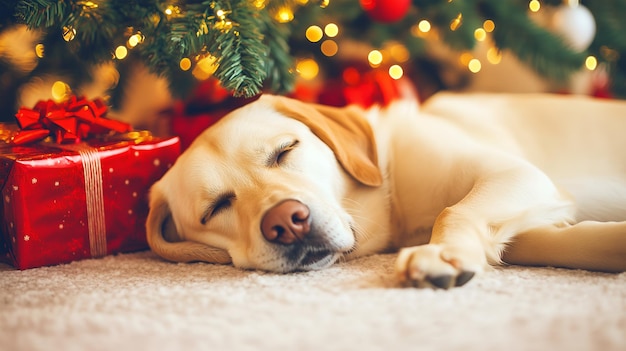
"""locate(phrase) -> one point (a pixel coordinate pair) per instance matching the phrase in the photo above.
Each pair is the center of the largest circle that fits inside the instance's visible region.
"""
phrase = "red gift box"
(63, 202)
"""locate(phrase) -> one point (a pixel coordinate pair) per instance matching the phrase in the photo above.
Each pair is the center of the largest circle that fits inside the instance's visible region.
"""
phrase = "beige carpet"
(138, 302)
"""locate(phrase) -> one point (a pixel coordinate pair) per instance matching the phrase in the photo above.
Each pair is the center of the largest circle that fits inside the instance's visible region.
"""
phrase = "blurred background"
(174, 67)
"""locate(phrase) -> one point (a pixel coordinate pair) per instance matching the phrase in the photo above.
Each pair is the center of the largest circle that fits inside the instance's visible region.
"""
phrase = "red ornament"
(386, 10)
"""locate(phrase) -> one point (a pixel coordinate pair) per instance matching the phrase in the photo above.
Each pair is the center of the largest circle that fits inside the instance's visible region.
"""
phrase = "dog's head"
(264, 188)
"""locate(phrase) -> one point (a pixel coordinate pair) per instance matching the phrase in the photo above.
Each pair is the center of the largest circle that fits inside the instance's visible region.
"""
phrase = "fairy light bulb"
(489, 26)
(314, 34)
(331, 30)
(307, 68)
(121, 52)
(456, 22)
(329, 48)
(284, 15)
(480, 34)
(375, 58)
(424, 26)
(591, 63)
(185, 64)
(60, 91)
(39, 50)
(474, 65)
(534, 5)
(69, 33)
(396, 72)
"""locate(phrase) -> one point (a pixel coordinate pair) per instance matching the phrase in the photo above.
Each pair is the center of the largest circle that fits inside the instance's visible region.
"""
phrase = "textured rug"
(139, 302)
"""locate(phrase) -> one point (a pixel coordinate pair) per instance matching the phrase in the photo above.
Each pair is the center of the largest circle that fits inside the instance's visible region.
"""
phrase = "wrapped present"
(77, 194)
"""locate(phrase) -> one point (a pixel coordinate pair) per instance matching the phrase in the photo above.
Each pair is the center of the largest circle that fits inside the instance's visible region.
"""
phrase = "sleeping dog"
(456, 185)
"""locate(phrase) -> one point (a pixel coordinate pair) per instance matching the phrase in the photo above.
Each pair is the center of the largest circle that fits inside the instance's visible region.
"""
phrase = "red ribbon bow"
(67, 122)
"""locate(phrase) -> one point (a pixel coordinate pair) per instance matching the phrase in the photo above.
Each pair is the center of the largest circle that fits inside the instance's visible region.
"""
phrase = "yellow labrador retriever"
(461, 183)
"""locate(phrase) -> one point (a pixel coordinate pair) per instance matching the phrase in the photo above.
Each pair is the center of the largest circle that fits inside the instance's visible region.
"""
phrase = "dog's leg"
(472, 233)
(597, 246)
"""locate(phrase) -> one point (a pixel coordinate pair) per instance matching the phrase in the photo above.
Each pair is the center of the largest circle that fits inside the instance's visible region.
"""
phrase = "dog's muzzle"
(289, 224)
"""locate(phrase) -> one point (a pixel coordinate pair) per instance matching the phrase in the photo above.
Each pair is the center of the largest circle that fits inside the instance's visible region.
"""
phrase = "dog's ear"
(344, 129)
(166, 242)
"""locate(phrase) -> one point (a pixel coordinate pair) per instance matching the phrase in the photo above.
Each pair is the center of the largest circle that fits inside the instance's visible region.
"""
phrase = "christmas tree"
(256, 45)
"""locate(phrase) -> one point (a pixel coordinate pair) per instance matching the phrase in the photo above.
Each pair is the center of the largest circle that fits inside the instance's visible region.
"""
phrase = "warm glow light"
(474, 66)
(314, 34)
(480, 34)
(489, 26)
(205, 67)
(375, 58)
(133, 41)
(69, 33)
(284, 15)
(465, 58)
(39, 50)
(591, 63)
(121, 52)
(424, 26)
(399, 52)
(534, 5)
(185, 64)
(396, 72)
(60, 91)
(331, 30)
(494, 56)
(456, 22)
(329, 48)
(307, 68)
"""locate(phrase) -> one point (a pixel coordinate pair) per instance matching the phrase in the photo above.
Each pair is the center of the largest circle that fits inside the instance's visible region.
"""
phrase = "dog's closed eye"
(220, 204)
(278, 156)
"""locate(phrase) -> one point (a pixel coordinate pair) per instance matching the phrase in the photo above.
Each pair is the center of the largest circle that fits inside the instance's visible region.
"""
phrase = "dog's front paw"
(436, 266)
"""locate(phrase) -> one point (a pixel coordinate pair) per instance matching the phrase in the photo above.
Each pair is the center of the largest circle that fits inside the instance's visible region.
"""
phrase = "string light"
(534, 5)
(60, 91)
(284, 15)
(396, 72)
(331, 30)
(259, 4)
(456, 22)
(307, 68)
(480, 34)
(205, 67)
(489, 25)
(314, 34)
(474, 65)
(591, 63)
(424, 26)
(89, 4)
(329, 48)
(121, 52)
(185, 64)
(39, 50)
(375, 58)
(69, 33)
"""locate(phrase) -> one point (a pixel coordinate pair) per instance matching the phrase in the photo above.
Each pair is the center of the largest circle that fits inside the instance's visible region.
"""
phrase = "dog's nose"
(286, 222)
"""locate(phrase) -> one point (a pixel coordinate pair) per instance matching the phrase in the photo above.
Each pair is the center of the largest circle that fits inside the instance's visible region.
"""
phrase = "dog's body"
(460, 183)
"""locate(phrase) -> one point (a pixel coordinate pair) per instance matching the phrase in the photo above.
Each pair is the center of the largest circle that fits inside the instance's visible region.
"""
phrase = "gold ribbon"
(94, 198)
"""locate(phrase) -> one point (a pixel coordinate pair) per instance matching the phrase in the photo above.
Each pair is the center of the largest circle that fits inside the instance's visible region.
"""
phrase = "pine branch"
(542, 50)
